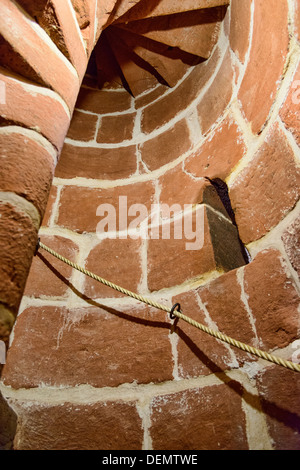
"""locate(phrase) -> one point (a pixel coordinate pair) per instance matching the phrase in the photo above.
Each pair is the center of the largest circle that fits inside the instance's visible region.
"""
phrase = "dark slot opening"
(222, 190)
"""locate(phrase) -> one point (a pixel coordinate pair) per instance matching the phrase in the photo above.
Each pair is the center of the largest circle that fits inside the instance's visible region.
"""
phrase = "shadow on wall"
(276, 414)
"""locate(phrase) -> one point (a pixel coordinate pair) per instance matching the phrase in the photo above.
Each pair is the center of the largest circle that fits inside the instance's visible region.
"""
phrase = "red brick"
(266, 63)
(164, 7)
(240, 12)
(18, 239)
(289, 112)
(167, 107)
(57, 19)
(196, 32)
(114, 129)
(10, 59)
(68, 426)
(267, 189)
(145, 99)
(178, 187)
(138, 79)
(273, 299)
(103, 14)
(170, 64)
(100, 346)
(166, 147)
(297, 19)
(198, 353)
(211, 418)
(219, 154)
(82, 11)
(43, 58)
(85, 14)
(25, 105)
(97, 162)
(71, 35)
(28, 169)
(118, 261)
(103, 102)
(216, 99)
(220, 251)
(49, 276)
(83, 126)
(50, 205)
(279, 391)
(78, 205)
(291, 240)
(223, 300)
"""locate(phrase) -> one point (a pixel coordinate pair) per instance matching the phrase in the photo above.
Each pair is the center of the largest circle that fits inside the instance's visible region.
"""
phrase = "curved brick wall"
(102, 371)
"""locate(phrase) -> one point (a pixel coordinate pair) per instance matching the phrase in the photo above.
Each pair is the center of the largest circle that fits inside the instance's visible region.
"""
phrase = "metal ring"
(175, 307)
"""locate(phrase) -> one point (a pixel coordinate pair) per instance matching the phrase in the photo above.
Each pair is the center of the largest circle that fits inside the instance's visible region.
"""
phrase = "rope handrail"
(176, 313)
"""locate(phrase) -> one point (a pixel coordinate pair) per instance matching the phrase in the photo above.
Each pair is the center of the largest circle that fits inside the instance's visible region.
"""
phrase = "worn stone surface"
(83, 126)
(273, 299)
(102, 102)
(96, 345)
(266, 63)
(196, 31)
(163, 110)
(114, 129)
(91, 426)
(198, 353)
(165, 7)
(79, 205)
(49, 276)
(56, 18)
(289, 112)
(50, 205)
(179, 187)
(267, 189)
(18, 238)
(166, 147)
(43, 59)
(120, 262)
(24, 161)
(82, 10)
(219, 154)
(35, 110)
(211, 244)
(210, 418)
(279, 391)
(239, 36)
(99, 163)
(291, 240)
(216, 99)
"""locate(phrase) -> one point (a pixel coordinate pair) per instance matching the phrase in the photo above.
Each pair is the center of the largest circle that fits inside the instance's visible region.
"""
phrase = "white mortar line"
(244, 298)
(127, 392)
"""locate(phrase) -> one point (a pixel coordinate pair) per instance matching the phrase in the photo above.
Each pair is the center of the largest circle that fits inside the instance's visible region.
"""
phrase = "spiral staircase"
(148, 42)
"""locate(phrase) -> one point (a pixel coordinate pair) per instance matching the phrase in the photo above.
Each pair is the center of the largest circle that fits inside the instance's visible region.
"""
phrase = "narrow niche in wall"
(223, 193)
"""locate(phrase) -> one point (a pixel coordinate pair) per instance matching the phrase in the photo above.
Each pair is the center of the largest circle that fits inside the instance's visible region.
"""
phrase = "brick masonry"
(81, 353)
